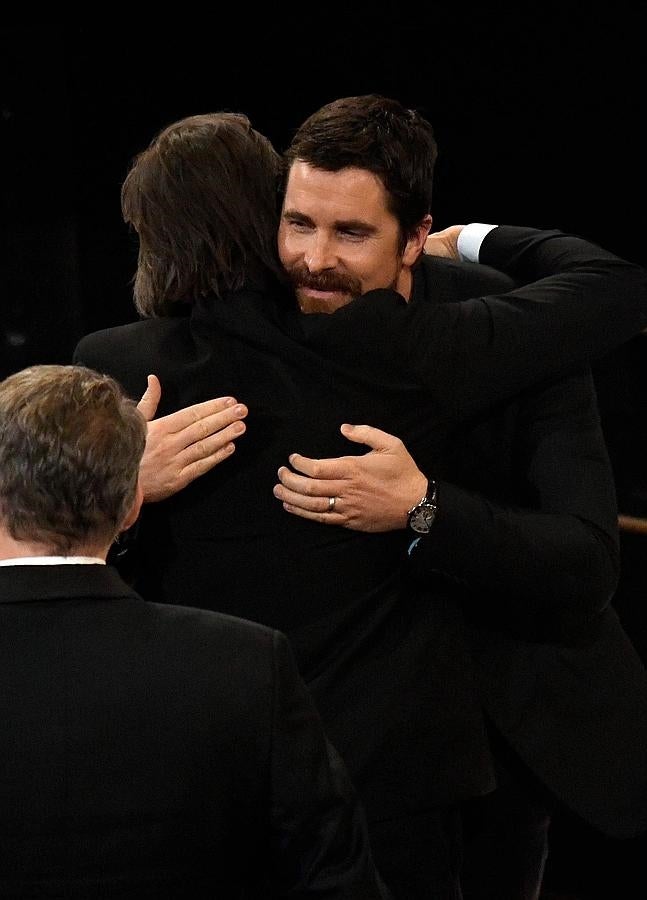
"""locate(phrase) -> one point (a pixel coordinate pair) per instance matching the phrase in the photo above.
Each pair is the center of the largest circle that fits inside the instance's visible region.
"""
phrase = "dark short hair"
(204, 200)
(70, 448)
(378, 134)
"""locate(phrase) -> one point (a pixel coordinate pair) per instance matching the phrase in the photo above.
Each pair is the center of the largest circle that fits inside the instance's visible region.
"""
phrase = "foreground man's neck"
(11, 549)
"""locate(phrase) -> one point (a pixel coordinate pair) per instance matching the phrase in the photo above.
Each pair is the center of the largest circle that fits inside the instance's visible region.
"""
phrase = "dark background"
(539, 121)
(539, 115)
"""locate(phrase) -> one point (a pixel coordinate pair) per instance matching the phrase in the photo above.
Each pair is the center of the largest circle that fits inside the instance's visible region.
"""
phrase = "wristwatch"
(421, 517)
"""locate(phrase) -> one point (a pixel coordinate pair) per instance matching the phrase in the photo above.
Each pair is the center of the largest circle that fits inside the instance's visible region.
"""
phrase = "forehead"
(345, 195)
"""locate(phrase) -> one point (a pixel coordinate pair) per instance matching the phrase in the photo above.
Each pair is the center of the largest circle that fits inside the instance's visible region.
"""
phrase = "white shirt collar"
(53, 561)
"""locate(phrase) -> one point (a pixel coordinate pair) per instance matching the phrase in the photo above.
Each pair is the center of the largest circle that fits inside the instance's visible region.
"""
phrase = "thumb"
(366, 434)
(150, 398)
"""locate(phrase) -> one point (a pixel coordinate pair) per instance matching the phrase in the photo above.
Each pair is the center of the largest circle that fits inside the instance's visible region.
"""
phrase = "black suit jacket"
(387, 657)
(157, 751)
(526, 541)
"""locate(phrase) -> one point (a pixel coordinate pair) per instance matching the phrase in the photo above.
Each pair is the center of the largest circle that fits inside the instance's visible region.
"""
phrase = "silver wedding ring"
(331, 503)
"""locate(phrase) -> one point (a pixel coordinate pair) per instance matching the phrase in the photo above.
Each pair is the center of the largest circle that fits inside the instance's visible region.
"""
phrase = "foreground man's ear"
(135, 509)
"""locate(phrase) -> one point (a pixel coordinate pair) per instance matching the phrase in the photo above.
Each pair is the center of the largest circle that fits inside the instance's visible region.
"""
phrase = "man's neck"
(10, 548)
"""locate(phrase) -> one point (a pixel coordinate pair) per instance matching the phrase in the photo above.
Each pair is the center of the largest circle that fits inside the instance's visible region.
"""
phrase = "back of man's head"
(377, 134)
(204, 200)
(70, 448)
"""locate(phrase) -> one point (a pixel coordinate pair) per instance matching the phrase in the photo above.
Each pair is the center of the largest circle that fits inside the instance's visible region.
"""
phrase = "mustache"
(324, 281)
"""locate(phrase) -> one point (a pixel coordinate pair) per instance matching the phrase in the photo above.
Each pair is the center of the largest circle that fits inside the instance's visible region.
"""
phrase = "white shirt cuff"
(470, 240)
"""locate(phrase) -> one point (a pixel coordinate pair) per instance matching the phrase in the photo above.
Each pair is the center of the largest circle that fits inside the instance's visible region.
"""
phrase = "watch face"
(422, 518)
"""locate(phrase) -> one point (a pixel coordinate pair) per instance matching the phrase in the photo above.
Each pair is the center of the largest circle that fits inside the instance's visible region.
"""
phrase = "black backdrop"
(538, 120)
(539, 116)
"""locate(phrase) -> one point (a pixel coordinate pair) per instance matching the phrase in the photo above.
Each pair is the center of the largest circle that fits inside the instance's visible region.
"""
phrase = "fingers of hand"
(183, 420)
(169, 452)
(163, 474)
(304, 464)
(316, 500)
(216, 442)
(204, 464)
(327, 516)
(370, 436)
(222, 425)
(201, 411)
(336, 467)
(304, 486)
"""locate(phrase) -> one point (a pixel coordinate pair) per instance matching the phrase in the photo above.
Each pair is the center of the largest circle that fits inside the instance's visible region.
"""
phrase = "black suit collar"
(64, 582)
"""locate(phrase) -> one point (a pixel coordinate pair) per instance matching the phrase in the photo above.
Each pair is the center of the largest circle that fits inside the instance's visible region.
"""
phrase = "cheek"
(283, 246)
(287, 247)
(378, 271)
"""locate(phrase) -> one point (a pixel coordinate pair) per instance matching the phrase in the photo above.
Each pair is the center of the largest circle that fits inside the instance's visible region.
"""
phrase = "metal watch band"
(420, 517)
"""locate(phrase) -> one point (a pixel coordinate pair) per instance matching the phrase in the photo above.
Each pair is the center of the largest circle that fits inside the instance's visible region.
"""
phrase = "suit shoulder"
(130, 352)
(211, 624)
(449, 280)
(122, 336)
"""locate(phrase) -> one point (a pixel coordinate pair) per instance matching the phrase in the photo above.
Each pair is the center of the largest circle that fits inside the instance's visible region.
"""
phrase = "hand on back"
(372, 492)
(185, 444)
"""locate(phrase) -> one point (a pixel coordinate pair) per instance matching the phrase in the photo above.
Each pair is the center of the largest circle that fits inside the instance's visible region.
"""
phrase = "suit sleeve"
(544, 568)
(320, 842)
(574, 303)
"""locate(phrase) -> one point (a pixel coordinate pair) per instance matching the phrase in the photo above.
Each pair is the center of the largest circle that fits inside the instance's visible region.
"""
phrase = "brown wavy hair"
(204, 201)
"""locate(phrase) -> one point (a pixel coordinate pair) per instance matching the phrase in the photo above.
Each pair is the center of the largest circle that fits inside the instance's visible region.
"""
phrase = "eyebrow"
(340, 224)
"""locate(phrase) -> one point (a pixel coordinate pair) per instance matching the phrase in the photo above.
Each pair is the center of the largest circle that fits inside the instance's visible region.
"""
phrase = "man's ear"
(416, 243)
(135, 509)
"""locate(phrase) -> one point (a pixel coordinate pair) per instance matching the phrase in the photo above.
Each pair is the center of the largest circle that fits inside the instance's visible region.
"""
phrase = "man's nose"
(319, 255)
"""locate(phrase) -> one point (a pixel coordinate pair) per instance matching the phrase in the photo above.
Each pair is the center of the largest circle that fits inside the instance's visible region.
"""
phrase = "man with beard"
(386, 654)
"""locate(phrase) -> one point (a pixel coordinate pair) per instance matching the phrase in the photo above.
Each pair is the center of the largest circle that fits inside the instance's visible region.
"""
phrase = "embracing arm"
(372, 492)
(543, 554)
(608, 292)
(556, 553)
(576, 301)
(581, 301)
